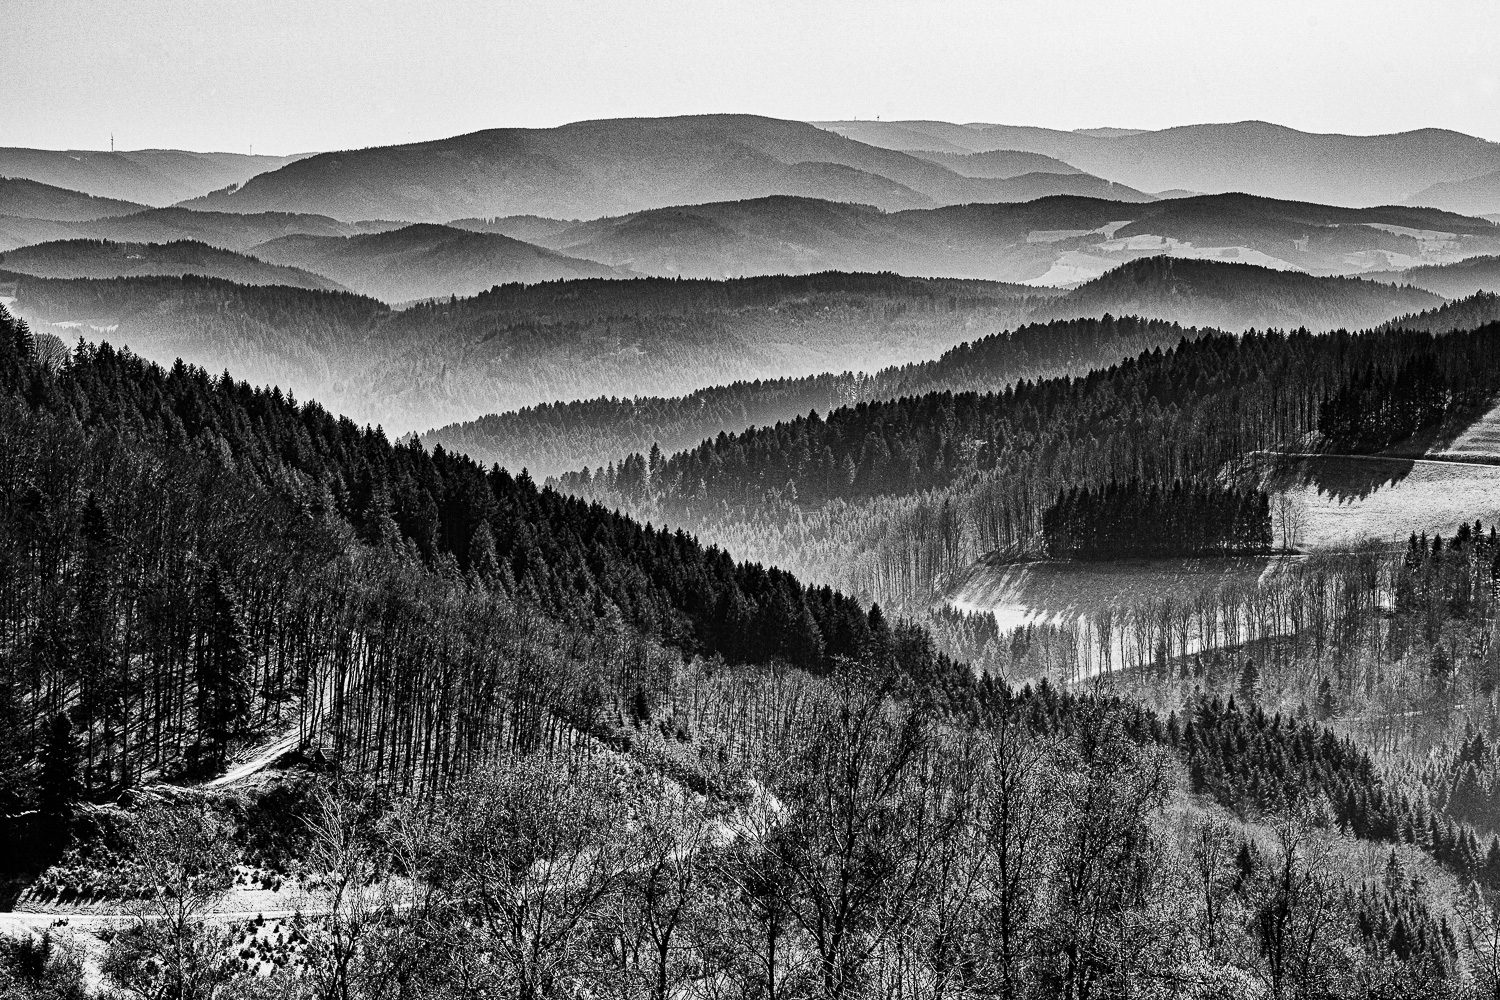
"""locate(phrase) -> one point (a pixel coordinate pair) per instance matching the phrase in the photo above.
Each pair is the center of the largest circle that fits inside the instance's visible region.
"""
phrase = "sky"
(286, 76)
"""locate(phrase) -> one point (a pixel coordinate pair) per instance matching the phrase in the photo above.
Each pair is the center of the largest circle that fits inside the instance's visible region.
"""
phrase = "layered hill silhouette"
(29, 199)
(1057, 240)
(1453, 281)
(521, 345)
(424, 261)
(602, 168)
(1256, 157)
(156, 177)
(1237, 297)
(1472, 196)
(104, 259)
(225, 230)
(1000, 164)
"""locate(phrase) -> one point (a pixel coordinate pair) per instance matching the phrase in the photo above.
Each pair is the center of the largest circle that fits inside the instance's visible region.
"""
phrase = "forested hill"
(1161, 415)
(1237, 297)
(1465, 314)
(556, 438)
(517, 346)
(184, 547)
(886, 497)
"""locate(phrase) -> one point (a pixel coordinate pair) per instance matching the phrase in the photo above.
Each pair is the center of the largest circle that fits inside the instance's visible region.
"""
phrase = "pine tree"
(1328, 704)
(1249, 686)
(223, 668)
(58, 785)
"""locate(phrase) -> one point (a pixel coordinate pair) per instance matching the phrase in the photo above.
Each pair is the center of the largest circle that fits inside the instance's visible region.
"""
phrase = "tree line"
(1142, 520)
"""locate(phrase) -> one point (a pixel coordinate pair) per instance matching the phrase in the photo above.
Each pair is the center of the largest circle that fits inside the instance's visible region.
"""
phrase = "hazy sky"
(289, 75)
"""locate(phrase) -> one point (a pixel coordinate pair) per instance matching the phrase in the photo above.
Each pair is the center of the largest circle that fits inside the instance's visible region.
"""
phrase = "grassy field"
(1342, 500)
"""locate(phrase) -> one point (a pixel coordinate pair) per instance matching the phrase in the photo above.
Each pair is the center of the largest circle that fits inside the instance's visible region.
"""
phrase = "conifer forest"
(519, 531)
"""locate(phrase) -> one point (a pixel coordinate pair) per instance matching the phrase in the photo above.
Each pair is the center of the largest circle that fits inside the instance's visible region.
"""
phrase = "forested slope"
(557, 437)
(189, 560)
(889, 497)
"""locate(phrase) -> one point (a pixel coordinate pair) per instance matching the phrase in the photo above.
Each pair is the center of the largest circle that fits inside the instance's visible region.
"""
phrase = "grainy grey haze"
(298, 75)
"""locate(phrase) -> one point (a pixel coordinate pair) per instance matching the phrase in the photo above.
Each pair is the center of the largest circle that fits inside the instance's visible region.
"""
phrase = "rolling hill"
(1000, 164)
(1056, 240)
(29, 199)
(225, 230)
(602, 168)
(1237, 297)
(1453, 281)
(522, 345)
(424, 261)
(156, 177)
(103, 259)
(1255, 157)
(1471, 196)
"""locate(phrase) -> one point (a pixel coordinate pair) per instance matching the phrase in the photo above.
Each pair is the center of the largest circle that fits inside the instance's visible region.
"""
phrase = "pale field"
(1341, 502)
(1345, 500)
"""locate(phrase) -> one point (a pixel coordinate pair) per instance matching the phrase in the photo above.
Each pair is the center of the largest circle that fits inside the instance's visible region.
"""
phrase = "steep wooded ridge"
(155, 177)
(557, 437)
(517, 346)
(106, 259)
(1257, 157)
(890, 497)
(191, 551)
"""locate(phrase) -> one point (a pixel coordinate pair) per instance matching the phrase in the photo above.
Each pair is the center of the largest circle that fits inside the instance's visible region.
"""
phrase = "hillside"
(1000, 164)
(1453, 281)
(523, 345)
(1054, 240)
(156, 177)
(32, 200)
(1254, 157)
(1463, 314)
(1237, 297)
(526, 228)
(103, 259)
(227, 231)
(1470, 196)
(891, 499)
(425, 261)
(557, 438)
(600, 168)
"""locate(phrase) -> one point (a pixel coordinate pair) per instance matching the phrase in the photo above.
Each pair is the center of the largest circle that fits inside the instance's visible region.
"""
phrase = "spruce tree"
(58, 785)
(223, 668)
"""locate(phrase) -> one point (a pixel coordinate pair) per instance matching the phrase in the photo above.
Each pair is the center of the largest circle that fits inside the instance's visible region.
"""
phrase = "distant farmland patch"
(1343, 499)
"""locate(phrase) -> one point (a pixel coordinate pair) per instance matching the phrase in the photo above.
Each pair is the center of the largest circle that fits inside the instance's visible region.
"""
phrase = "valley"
(716, 555)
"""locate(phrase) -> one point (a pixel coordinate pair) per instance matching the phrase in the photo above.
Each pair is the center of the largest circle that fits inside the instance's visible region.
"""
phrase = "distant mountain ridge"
(1255, 157)
(425, 261)
(225, 230)
(30, 199)
(1471, 196)
(1055, 240)
(603, 168)
(104, 259)
(155, 177)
